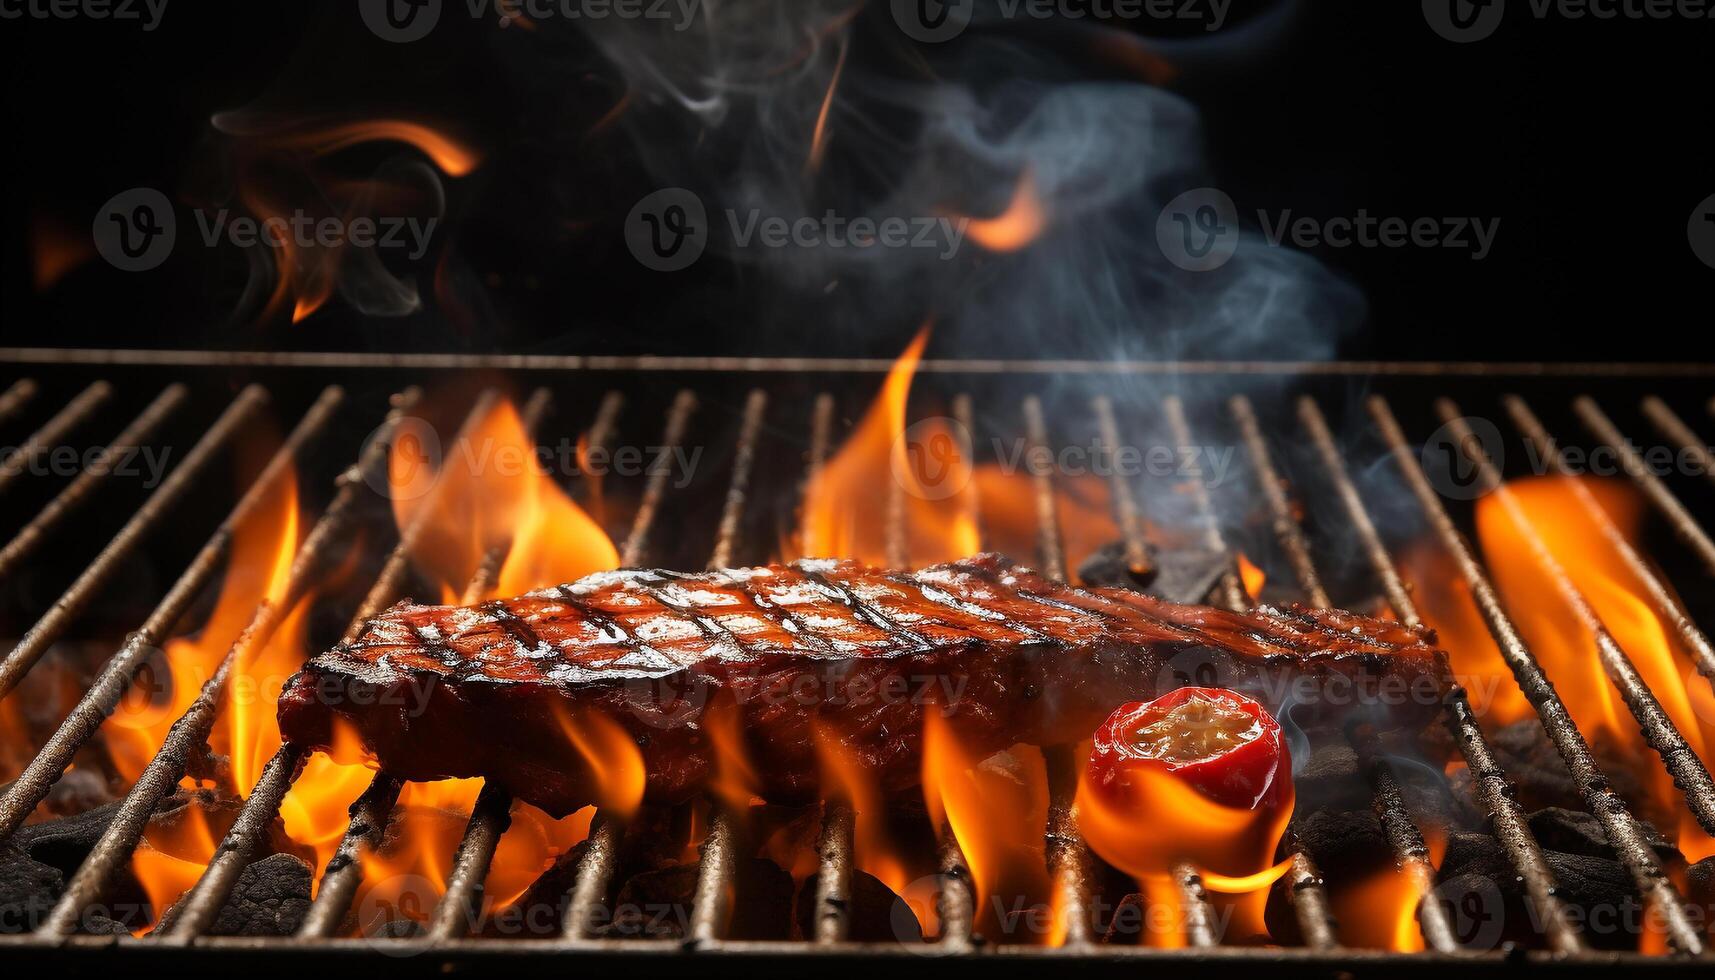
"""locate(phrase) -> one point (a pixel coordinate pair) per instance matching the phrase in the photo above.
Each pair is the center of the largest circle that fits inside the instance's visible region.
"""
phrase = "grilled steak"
(819, 648)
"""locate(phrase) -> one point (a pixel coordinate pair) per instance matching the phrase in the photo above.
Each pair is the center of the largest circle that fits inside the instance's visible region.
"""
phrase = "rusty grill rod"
(1667, 603)
(95, 576)
(53, 433)
(1231, 588)
(1403, 834)
(637, 542)
(457, 912)
(1287, 529)
(193, 914)
(1621, 827)
(1305, 884)
(1127, 514)
(13, 399)
(1685, 526)
(1511, 826)
(1657, 727)
(39, 776)
(832, 911)
(83, 488)
(120, 840)
(601, 859)
(1067, 856)
(372, 811)
(1669, 424)
(711, 902)
(1230, 591)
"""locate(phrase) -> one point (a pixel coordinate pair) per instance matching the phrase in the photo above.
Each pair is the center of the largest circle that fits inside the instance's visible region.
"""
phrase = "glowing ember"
(1253, 577)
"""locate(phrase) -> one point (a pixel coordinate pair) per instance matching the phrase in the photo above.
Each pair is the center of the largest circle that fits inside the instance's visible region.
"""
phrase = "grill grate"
(1069, 862)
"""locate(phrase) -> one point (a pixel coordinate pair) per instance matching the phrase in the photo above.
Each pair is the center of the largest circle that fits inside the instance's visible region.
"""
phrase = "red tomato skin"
(1252, 776)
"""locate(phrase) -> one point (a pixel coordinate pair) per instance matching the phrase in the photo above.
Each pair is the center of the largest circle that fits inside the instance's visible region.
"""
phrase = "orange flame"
(1253, 577)
(261, 555)
(849, 500)
(1445, 602)
(1567, 651)
(875, 853)
(998, 817)
(1007, 502)
(1020, 224)
(494, 494)
(173, 855)
(611, 755)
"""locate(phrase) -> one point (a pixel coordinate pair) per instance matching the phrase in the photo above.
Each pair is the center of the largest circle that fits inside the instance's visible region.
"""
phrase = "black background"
(1591, 140)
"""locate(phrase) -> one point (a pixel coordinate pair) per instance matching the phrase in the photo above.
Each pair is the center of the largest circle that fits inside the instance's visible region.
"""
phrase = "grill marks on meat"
(820, 646)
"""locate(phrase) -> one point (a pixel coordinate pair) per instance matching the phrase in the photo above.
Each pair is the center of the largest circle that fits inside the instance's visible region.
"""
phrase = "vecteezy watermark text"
(670, 229)
(136, 230)
(1465, 21)
(147, 13)
(934, 21)
(404, 21)
(1199, 231)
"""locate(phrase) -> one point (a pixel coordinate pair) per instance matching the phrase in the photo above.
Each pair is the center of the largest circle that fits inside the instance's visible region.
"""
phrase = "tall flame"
(1555, 511)
(999, 819)
(849, 500)
(495, 494)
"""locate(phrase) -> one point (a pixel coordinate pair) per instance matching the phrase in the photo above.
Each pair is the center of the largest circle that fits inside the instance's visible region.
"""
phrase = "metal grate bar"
(33, 784)
(1413, 856)
(164, 770)
(13, 399)
(594, 873)
(365, 832)
(458, 908)
(711, 903)
(1655, 490)
(53, 433)
(1127, 514)
(1666, 602)
(1231, 588)
(1493, 790)
(192, 915)
(1657, 727)
(84, 487)
(1305, 884)
(1621, 827)
(637, 542)
(1669, 424)
(94, 578)
(832, 913)
(1068, 858)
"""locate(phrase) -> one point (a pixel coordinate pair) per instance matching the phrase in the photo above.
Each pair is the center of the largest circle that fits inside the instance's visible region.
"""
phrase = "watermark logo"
(1451, 454)
(135, 230)
(400, 21)
(927, 460)
(1198, 231)
(1701, 231)
(1475, 909)
(1464, 21)
(414, 457)
(668, 230)
(933, 21)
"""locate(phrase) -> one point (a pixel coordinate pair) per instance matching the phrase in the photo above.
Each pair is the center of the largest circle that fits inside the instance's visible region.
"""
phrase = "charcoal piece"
(1108, 565)
(657, 904)
(1346, 845)
(1331, 780)
(78, 791)
(65, 842)
(877, 915)
(1489, 903)
(1576, 832)
(270, 898)
(1534, 767)
(28, 890)
(1129, 922)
